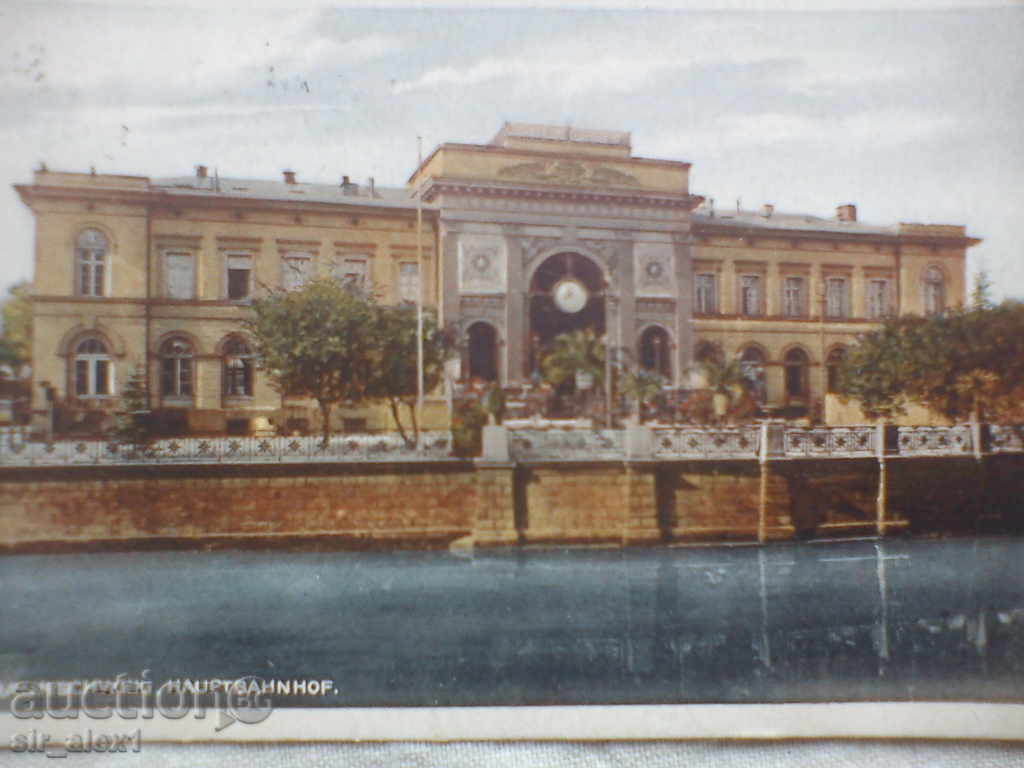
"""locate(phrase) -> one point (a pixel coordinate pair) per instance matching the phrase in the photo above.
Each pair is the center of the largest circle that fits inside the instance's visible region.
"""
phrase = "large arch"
(547, 319)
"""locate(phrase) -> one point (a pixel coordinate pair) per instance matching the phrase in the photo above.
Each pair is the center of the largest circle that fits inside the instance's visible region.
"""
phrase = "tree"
(394, 376)
(317, 341)
(16, 341)
(132, 421)
(981, 297)
(966, 363)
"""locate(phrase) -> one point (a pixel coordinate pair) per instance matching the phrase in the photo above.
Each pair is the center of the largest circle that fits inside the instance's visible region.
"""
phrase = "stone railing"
(935, 441)
(707, 442)
(16, 451)
(831, 441)
(565, 444)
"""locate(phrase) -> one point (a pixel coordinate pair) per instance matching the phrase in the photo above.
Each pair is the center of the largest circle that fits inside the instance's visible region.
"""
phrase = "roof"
(259, 189)
(788, 222)
(566, 133)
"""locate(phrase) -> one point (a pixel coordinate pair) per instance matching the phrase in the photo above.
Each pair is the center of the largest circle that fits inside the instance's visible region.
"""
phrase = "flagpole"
(419, 297)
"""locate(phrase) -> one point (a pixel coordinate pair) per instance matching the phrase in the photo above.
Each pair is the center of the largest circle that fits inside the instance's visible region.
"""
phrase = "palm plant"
(580, 350)
(642, 387)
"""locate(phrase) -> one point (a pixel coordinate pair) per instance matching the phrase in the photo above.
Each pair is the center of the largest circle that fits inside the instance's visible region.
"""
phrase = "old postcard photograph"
(551, 372)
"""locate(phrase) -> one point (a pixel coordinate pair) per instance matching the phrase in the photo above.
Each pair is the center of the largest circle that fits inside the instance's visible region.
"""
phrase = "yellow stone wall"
(208, 231)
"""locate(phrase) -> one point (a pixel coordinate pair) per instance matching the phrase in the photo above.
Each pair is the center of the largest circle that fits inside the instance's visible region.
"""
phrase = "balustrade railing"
(707, 442)
(565, 444)
(934, 441)
(524, 444)
(830, 441)
(14, 450)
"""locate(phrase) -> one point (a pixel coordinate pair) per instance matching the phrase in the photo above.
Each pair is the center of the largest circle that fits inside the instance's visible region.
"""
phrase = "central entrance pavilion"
(549, 229)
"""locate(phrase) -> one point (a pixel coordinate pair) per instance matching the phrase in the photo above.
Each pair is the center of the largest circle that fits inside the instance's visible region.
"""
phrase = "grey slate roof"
(259, 189)
(789, 221)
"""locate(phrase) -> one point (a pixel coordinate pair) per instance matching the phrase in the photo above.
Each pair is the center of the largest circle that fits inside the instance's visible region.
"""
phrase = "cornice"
(705, 228)
(476, 188)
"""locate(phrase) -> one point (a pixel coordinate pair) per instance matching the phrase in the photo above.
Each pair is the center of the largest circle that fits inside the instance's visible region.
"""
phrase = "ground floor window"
(93, 369)
(796, 373)
(238, 368)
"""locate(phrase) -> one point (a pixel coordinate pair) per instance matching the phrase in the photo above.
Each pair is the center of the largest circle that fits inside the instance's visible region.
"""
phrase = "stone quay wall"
(627, 495)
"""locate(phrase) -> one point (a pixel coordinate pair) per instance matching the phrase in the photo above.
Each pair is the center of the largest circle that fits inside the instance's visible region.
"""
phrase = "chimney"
(847, 212)
(767, 210)
(200, 171)
(373, 187)
(289, 177)
(711, 207)
(348, 187)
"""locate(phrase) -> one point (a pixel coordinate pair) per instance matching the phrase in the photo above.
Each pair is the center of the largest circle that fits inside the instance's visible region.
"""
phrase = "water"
(840, 621)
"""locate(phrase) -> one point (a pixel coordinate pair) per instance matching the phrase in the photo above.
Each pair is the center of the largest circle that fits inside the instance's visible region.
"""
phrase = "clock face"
(570, 296)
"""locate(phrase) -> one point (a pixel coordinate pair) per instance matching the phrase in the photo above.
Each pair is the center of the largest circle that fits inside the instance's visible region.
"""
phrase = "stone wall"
(434, 503)
(426, 504)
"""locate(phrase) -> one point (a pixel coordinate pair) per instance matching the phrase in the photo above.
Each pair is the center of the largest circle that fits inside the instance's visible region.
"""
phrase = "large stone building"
(544, 229)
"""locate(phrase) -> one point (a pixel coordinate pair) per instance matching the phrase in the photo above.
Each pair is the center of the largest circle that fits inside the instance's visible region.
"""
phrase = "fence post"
(882, 501)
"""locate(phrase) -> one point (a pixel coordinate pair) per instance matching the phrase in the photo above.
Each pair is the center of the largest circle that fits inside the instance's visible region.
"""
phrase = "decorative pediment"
(568, 173)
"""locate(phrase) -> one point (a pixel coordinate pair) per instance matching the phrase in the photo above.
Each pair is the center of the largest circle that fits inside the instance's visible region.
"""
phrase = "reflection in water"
(855, 620)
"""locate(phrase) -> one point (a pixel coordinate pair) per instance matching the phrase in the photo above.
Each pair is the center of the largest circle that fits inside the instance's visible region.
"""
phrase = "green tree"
(132, 426)
(317, 341)
(393, 378)
(966, 363)
(16, 341)
(981, 293)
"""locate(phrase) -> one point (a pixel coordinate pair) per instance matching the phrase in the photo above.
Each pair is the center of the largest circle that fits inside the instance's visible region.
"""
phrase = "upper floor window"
(934, 291)
(238, 368)
(176, 369)
(354, 273)
(750, 295)
(91, 257)
(296, 269)
(408, 282)
(94, 371)
(239, 276)
(706, 298)
(794, 297)
(179, 275)
(879, 298)
(837, 297)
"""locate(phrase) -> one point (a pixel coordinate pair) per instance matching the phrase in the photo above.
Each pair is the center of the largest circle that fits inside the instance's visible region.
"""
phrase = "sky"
(911, 111)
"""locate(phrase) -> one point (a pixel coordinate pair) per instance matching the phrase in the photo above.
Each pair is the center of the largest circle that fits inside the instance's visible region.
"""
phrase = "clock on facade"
(570, 296)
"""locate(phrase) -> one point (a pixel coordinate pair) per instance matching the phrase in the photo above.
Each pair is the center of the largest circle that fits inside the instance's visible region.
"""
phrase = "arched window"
(176, 369)
(483, 351)
(934, 291)
(834, 365)
(752, 364)
(656, 351)
(91, 257)
(238, 365)
(796, 373)
(93, 369)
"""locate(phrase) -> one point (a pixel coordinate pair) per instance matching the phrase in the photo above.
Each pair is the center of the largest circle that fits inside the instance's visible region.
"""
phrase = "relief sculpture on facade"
(568, 173)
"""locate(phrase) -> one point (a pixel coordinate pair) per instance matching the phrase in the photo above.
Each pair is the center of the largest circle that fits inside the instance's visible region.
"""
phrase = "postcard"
(546, 373)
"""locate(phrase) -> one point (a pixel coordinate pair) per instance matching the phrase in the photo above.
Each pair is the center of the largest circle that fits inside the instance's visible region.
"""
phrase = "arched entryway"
(656, 351)
(482, 351)
(566, 294)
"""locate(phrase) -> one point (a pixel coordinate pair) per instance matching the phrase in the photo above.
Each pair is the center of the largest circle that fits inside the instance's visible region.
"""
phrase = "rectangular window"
(103, 377)
(296, 269)
(794, 297)
(707, 295)
(408, 282)
(81, 377)
(750, 295)
(179, 275)
(354, 274)
(239, 277)
(837, 297)
(879, 303)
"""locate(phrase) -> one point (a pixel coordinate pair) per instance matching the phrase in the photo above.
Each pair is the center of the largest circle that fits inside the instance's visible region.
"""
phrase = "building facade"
(543, 230)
